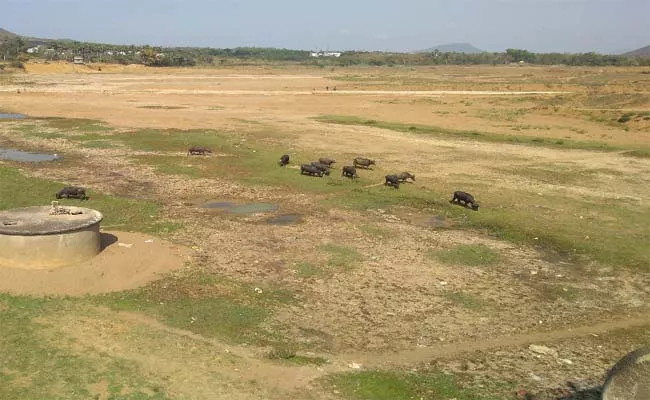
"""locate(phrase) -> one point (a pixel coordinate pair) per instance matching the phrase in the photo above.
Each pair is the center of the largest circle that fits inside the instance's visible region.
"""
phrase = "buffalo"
(406, 175)
(72, 192)
(284, 160)
(196, 150)
(392, 180)
(349, 172)
(306, 169)
(363, 162)
(323, 167)
(465, 199)
(327, 161)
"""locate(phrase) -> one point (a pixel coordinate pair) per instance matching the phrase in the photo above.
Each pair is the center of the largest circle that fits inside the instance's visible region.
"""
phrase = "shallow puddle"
(241, 209)
(286, 219)
(218, 204)
(253, 208)
(12, 116)
(24, 156)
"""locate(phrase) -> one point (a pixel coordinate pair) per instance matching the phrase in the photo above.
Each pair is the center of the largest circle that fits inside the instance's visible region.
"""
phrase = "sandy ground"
(127, 261)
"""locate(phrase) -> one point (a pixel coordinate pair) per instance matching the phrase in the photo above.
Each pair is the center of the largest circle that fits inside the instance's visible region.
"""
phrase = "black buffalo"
(363, 162)
(284, 160)
(72, 192)
(406, 175)
(196, 150)
(327, 161)
(392, 180)
(349, 172)
(465, 199)
(306, 169)
(323, 167)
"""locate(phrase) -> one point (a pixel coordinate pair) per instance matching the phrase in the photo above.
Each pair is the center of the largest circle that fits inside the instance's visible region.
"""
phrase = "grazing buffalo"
(406, 175)
(392, 180)
(465, 199)
(323, 167)
(363, 162)
(196, 150)
(327, 161)
(72, 192)
(349, 172)
(284, 160)
(306, 169)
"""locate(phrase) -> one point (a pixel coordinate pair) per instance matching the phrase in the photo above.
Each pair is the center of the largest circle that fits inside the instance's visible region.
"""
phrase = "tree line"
(15, 48)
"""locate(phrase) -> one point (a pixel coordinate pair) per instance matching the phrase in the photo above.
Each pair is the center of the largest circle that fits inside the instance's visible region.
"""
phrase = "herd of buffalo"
(316, 168)
(323, 166)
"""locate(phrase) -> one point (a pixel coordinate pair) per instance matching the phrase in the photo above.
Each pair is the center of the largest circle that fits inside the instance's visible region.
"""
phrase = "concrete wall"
(49, 251)
(629, 379)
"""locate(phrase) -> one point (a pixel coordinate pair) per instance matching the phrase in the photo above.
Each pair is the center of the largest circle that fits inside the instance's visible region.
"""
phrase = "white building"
(325, 54)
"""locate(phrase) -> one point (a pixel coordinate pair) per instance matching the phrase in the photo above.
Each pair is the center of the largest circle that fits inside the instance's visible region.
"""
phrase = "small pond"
(12, 116)
(24, 156)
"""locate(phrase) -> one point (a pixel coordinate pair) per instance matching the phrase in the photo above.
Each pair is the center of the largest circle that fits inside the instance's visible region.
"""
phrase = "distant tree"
(518, 55)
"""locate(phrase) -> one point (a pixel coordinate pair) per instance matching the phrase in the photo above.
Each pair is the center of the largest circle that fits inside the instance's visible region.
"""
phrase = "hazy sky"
(406, 25)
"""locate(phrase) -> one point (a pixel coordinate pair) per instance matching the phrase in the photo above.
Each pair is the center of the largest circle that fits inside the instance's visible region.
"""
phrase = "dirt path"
(94, 89)
(454, 350)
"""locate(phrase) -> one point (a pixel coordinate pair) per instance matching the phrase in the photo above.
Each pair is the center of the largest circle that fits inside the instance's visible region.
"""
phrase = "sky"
(605, 26)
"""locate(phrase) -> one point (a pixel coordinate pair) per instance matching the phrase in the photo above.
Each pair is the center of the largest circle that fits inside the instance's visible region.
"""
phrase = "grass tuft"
(469, 255)
(385, 385)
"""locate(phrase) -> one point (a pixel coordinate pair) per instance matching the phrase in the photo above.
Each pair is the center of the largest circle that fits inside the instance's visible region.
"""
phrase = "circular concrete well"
(45, 237)
(629, 378)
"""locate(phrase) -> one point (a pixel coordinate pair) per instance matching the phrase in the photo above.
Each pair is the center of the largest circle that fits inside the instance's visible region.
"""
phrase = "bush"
(624, 119)
(17, 64)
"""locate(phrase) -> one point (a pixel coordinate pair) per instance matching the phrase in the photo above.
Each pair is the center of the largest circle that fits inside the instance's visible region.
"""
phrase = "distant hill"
(6, 34)
(642, 52)
(454, 48)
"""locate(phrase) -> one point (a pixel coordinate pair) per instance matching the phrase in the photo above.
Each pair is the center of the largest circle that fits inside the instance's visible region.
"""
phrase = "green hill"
(642, 52)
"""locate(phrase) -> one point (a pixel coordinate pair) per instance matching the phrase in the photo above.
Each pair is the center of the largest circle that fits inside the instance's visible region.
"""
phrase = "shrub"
(17, 64)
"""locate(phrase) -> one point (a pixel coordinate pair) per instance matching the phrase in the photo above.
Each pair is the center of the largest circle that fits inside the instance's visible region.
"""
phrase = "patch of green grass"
(173, 165)
(465, 300)
(374, 231)
(172, 139)
(17, 190)
(341, 257)
(76, 124)
(637, 153)
(308, 270)
(360, 198)
(563, 233)
(388, 385)
(470, 255)
(34, 367)
(469, 135)
(98, 144)
(208, 305)
(35, 130)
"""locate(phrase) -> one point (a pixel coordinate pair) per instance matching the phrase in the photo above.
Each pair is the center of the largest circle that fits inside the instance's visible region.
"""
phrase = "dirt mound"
(128, 260)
